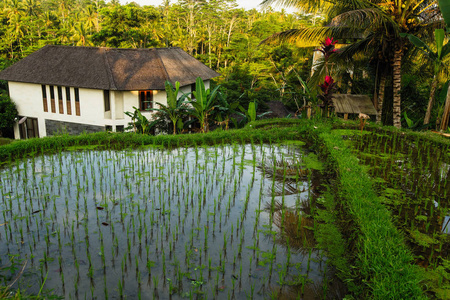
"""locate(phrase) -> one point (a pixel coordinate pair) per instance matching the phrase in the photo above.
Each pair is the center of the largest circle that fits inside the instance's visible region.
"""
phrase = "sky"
(247, 4)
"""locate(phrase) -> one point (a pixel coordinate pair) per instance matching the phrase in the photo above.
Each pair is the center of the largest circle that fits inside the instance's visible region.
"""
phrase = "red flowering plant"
(328, 48)
(327, 88)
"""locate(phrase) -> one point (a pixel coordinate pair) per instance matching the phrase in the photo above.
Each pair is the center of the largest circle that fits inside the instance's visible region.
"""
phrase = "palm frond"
(340, 7)
(303, 5)
(369, 19)
(360, 46)
(304, 37)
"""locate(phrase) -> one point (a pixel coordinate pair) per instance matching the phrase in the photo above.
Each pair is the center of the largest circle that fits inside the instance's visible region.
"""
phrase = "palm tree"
(31, 7)
(80, 36)
(444, 6)
(437, 58)
(91, 18)
(376, 24)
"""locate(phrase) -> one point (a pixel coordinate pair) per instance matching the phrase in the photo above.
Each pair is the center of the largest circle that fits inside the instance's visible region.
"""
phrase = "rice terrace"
(235, 149)
(209, 216)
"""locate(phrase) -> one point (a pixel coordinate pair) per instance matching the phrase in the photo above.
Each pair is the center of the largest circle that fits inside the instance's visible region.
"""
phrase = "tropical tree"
(225, 110)
(204, 102)
(176, 106)
(444, 6)
(122, 26)
(8, 112)
(376, 25)
(437, 57)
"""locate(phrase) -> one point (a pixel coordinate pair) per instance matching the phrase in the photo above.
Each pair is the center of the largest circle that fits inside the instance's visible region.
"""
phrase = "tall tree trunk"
(375, 91)
(397, 83)
(379, 106)
(431, 100)
(444, 121)
(209, 45)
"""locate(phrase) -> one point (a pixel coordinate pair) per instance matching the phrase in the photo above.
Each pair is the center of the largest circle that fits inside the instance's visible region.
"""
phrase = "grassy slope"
(383, 261)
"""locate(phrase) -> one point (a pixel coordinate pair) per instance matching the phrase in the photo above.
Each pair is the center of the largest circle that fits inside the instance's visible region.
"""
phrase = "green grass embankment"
(274, 130)
(383, 263)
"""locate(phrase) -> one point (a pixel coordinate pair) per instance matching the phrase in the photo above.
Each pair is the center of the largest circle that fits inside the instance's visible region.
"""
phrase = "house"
(89, 89)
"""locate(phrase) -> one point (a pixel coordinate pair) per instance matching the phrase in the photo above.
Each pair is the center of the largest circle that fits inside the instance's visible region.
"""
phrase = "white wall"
(28, 99)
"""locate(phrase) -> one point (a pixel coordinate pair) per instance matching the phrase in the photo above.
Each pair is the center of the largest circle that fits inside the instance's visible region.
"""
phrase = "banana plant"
(176, 106)
(437, 57)
(204, 103)
(139, 122)
(225, 110)
(250, 114)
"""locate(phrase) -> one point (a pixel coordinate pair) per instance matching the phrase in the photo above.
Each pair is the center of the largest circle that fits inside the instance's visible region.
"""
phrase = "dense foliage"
(224, 37)
(228, 39)
(8, 113)
(375, 44)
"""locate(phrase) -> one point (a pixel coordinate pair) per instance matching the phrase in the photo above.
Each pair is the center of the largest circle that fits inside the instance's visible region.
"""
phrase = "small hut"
(353, 104)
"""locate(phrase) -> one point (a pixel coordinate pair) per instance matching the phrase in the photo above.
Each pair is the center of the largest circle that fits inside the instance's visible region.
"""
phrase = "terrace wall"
(58, 127)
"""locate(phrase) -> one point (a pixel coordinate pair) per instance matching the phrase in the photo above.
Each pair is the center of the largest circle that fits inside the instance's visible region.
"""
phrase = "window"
(44, 97)
(120, 128)
(77, 101)
(60, 100)
(145, 100)
(68, 104)
(192, 90)
(52, 98)
(106, 100)
(108, 128)
(29, 128)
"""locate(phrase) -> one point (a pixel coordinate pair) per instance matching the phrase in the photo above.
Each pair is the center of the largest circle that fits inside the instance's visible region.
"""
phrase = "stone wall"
(56, 127)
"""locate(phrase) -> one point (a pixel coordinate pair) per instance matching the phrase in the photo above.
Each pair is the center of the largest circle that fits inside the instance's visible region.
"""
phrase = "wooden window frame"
(52, 98)
(193, 86)
(60, 99)
(29, 128)
(44, 97)
(68, 101)
(144, 103)
(77, 101)
(107, 100)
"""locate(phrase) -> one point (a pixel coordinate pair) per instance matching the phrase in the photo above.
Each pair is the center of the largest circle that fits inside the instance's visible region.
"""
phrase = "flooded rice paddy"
(413, 180)
(221, 222)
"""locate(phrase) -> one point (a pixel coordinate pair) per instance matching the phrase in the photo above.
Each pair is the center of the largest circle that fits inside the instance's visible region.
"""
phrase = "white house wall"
(26, 97)
(29, 103)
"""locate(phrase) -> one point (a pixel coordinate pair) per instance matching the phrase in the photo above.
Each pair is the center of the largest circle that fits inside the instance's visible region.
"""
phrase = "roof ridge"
(112, 82)
(163, 66)
(109, 48)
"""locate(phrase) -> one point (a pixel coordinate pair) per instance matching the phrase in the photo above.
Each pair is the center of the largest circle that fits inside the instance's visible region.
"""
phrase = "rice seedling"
(180, 213)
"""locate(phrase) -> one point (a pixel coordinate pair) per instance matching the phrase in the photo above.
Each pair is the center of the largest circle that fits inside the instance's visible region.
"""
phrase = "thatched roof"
(353, 104)
(108, 68)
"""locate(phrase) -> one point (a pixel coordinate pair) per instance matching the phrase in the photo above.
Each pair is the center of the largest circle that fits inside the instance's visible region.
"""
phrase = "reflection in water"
(295, 229)
(412, 178)
(184, 223)
(293, 219)
(446, 225)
